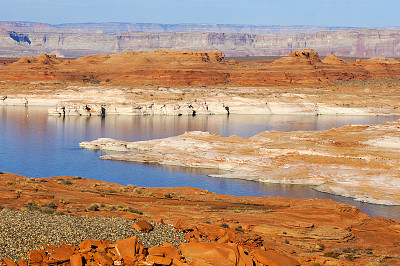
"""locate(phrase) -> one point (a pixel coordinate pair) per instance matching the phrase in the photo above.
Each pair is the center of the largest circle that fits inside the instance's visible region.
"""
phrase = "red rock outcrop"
(198, 68)
(242, 229)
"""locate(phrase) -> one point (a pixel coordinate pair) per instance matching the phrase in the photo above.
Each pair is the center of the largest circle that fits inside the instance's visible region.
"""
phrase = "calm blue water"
(36, 145)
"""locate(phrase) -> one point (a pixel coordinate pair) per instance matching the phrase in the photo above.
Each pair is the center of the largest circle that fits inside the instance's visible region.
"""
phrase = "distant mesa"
(333, 59)
(43, 59)
(377, 61)
(306, 56)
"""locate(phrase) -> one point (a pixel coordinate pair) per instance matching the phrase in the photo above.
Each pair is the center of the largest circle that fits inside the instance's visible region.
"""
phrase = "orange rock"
(102, 258)
(61, 254)
(211, 253)
(176, 262)
(76, 260)
(244, 259)
(126, 248)
(22, 262)
(158, 220)
(167, 251)
(101, 244)
(274, 258)
(9, 262)
(85, 246)
(36, 256)
(143, 225)
(178, 223)
(158, 260)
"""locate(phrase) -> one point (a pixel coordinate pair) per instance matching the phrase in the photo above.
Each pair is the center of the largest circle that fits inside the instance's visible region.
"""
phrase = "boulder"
(143, 225)
(126, 248)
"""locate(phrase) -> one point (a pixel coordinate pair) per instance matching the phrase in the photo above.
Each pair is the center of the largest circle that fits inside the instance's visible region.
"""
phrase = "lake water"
(34, 144)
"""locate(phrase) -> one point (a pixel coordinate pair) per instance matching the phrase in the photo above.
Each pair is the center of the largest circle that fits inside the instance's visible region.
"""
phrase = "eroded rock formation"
(353, 161)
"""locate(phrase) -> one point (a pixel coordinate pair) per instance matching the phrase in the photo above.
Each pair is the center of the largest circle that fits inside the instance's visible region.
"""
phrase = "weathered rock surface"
(241, 230)
(354, 161)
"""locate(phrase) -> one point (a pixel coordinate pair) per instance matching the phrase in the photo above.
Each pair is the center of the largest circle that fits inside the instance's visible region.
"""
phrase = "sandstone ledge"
(354, 161)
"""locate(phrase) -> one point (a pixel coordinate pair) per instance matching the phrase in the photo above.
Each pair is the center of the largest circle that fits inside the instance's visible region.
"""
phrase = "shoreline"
(102, 101)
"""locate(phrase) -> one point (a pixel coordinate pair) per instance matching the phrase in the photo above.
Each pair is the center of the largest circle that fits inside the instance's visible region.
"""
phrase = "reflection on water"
(36, 145)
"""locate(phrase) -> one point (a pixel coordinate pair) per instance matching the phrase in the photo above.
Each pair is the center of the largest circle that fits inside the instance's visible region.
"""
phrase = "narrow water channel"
(34, 144)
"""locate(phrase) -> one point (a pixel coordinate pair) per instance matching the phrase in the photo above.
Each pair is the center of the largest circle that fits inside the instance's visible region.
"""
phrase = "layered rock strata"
(189, 83)
(20, 41)
(354, 161)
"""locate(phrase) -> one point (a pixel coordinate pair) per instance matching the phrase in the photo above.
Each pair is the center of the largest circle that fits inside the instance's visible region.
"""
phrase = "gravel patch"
(22, 231)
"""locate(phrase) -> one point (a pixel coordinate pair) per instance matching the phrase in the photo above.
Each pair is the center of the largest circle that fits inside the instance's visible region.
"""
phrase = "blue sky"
(357, 13)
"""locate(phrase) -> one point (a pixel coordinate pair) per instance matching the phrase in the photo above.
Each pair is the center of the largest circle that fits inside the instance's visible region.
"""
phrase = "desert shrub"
(76, 178)
(239, 228)
(348, 250)
(224, 225)
(31, 206)
(168, 196)
(111, 208)
(8, 182)
(48, 210)
(130, 209)
(369, 251)
(43, 180)
(93, 207)
(51, 205)
(332, 254)
(67, 182)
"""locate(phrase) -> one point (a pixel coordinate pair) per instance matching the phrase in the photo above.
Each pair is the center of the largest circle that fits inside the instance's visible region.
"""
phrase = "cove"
(34, 144)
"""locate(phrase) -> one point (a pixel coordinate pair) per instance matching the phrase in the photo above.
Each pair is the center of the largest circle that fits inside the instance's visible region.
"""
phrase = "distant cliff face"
(37, 39)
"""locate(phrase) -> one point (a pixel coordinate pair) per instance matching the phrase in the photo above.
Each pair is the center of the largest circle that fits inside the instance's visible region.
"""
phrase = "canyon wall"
(67, 42)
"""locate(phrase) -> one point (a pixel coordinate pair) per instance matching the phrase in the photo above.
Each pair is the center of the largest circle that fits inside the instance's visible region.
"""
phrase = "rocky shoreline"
(102, 101)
